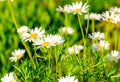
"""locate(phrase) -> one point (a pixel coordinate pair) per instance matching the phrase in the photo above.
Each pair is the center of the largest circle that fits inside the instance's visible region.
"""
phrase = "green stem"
(16, 26)
(116, 37)
(66, 19)
(93, 25)
(107, 30)
(82, 32)
(87, 25)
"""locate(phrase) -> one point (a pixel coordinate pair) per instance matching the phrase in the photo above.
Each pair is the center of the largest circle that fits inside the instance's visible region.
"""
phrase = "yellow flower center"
(101, 47)
(11, 81)
(77, 10)
(113, 57)
(109, 19)
(116, 11)
(18, 56)
(45, 43)
(33, 35)
(65, 11)
(72, 52)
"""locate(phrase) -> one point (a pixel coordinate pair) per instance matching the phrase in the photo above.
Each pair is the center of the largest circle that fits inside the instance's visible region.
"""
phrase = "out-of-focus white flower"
(116, 10)
(17, 54)
(68, 79)
(110, 17)
(5, 0)
(8, 78)
(93, 16)
(67, 30)
(49, 40)
(114, 56)
(65, 9)
(96, 36)
(22, 30)
(33, 34)
(75, 49)
(57, 40)
(102, 45)
(79, 8)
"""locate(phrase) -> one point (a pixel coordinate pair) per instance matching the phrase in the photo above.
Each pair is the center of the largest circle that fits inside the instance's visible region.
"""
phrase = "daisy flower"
(17, 54)
(68, 79)
(110, 17)
(67, 30)
(5, 0)
(93, 16)
(101, 45)
(75, 49)
(8, 78)
(116, 10)
(79, 8)
(48, 41)
(34, 34)
(57, 40)
(65, 9)
(22, 30)
(114, 56)
(45, 41)
(96, 36)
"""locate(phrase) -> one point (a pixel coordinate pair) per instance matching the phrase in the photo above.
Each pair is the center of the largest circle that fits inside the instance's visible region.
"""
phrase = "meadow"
(59, 41)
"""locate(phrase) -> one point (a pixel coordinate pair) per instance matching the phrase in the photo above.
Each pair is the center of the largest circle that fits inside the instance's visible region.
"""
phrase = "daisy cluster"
(39, 38)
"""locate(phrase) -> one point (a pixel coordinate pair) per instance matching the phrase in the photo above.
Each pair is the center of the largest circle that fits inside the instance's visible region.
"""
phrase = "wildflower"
(68, 79)
(34, 34)
(93, 16)
(67, 30)
(79, 8)
(110, 17)
(48, 41)
(17, 54)
(96, 36)
(116, 10)
(22, 30)
(114, 56)
(5, 0)
(102, 45)
(65, 9)
(8, 78)
(57, 40)
(75, 49)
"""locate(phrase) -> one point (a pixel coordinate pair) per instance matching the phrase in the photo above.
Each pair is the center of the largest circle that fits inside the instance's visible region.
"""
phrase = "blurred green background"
(36, 13)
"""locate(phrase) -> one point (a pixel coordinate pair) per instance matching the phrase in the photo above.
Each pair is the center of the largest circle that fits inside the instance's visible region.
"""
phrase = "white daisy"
(116, 10)
(75, 49)
(93, 16)
(65, 9)
(79, 8)
(96, 36)
(8, 78)
(22, 29)
(114, 56)
(102, 45)
(57, 40)
(45, 41)
(34, 34)
(67, 30)
(5, 0)
(110, 17)
(68, 79)
(17, 54)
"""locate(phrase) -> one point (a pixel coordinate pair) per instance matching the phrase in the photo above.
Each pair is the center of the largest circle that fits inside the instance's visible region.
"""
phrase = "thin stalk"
(82, 32)
(107, 30)
(93, 25)
(87, 25)
(66, 19)
(116, 37)
(16, 26)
